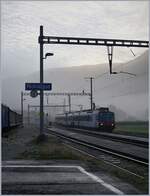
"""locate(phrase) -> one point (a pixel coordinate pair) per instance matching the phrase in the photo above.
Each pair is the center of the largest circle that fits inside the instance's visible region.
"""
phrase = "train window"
(106, 116)
(85, 118)
(90, 118)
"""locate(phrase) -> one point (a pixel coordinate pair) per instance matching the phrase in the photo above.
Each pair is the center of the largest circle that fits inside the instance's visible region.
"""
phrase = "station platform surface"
(30, 177)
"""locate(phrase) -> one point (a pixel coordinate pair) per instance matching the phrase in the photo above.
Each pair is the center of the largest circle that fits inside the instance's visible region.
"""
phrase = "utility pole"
(64, 105)
(41, 81)
(69, 102)
(28, 114)
(22, 106)
(91, 87)
(110, 56)
(42, 136)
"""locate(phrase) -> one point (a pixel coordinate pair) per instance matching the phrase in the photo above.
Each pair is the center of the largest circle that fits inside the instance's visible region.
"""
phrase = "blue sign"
(38, 86)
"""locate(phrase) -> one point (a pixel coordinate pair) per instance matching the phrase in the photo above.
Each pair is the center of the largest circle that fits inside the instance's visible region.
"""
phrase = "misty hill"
(127, 92)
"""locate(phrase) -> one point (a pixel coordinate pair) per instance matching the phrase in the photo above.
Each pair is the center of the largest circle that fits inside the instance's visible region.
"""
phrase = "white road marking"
(99, 180)
(81, 169)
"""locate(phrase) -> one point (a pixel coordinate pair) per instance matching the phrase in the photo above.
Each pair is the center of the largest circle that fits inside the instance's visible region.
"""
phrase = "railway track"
(143, 142)
(108, 150)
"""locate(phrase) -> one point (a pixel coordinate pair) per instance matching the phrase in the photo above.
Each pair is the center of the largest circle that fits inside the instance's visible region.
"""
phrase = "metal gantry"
(92, 41)
(49, 106)
(110, 43)
(69, 94)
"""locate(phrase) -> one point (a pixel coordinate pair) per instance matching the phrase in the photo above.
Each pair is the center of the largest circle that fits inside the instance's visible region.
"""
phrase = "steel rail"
(103, 149)
(113, 138)
(106, 162)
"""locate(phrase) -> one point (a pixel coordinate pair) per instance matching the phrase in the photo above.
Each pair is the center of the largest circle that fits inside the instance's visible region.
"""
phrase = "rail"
(107, 150)
(115, 137)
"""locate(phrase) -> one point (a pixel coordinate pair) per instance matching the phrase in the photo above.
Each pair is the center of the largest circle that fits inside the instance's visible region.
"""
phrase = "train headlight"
(101, 124)
(112, 124)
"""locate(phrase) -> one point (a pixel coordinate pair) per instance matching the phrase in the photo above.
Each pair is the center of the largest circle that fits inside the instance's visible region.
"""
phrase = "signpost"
(34, 87)
(38, 86)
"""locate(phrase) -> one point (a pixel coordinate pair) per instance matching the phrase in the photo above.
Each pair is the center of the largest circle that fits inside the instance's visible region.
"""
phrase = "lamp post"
(42, 136)
(48, 54)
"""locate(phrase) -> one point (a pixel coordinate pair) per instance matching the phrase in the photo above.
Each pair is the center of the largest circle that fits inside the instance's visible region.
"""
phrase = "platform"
(52, 179)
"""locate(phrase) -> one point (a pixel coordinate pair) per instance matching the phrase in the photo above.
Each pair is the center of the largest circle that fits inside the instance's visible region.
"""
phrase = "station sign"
(38, 86)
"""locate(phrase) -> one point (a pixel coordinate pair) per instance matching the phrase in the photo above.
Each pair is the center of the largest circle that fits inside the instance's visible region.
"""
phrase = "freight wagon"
(9, 118)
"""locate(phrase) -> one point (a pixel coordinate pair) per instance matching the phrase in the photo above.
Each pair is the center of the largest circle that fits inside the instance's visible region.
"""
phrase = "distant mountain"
(127, 91)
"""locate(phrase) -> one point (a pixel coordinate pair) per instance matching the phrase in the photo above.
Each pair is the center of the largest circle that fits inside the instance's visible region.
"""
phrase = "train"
(9, 118)
(99, 119)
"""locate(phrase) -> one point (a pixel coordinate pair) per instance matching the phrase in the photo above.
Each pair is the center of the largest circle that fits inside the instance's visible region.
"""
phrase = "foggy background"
(125, 94)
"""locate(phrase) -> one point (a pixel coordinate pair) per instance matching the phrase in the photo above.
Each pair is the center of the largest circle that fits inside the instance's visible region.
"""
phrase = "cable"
(127, 73)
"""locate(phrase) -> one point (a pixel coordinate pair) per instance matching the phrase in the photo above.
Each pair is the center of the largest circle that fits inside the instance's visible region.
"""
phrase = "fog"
(125, 94)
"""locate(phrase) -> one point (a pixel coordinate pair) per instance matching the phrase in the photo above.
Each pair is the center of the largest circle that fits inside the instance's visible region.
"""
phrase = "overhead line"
(120, 83)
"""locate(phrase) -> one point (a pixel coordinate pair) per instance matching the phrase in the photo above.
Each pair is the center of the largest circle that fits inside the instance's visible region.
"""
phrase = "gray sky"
(99, 19)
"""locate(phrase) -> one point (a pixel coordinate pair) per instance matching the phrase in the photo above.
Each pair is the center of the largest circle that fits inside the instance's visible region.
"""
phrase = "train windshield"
(106, 116)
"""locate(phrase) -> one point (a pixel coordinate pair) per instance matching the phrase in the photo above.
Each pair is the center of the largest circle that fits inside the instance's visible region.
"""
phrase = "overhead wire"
(128, 78)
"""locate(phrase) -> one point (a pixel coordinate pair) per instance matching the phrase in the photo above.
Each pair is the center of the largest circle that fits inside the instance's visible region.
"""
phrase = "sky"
(20, 22)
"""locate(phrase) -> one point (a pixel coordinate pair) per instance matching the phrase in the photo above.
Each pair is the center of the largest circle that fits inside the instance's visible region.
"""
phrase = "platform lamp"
(48, 54)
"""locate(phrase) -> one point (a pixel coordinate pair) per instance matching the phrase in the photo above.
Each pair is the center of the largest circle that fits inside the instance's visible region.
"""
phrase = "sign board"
(38, 86)
(34, 93)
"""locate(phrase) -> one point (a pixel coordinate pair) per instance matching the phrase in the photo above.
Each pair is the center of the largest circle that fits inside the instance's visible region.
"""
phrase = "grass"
(52, 149)
(132, 128)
